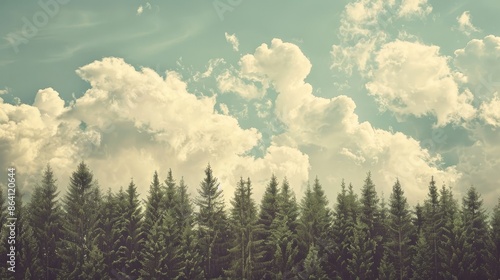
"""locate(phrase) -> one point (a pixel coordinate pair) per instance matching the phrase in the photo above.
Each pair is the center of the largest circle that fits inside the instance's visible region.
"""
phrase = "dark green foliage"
(476, 240)
(399, 230)
(45, 220)
(449, 250)
(312, 266)
(495, 237)
(213, 228)
(360, 265)
(421, 262)
(81, 206)
(431, 227)
(283, 263)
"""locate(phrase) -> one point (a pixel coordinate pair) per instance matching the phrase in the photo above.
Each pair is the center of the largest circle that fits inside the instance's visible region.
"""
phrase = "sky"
(404, 89)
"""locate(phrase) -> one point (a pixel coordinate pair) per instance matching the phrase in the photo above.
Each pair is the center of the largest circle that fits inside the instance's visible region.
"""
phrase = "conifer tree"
(286, 249)
(369, 220)
(360, 265)
(344, 222)
(244, 251)
(495, 236)
(399, 233)
(129, 242)
(268, 213)
(312, 266)
(80, 217)
(45, 220)
(448, 246)
(477, 241)
(432, 223)
(108, 232)
(421, 263)
(212, 226)
(154, 206)
(28, 262)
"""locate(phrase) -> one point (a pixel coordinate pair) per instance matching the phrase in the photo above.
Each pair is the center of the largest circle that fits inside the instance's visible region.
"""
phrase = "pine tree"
(448, 247)
(129, 242)
(29, 262)
(268, 213)
(360, 265)
(154, 206)
(369, 219)
(45, 220)
(312, 266)
(212, 226)
(344, 222)
(421, 263)
(399, 233)
(477, 241)
(94, 266)
(80, 205)
(191, 259)
(244, 252)
(495, 237)
(432, 223)
(108, 232)
(286, 249)
(154, 255)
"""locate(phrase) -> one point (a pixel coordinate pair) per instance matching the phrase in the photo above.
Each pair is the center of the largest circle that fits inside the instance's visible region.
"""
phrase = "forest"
(89, 233)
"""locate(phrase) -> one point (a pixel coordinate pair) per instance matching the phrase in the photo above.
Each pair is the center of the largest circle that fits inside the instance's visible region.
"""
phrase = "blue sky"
(402, 88)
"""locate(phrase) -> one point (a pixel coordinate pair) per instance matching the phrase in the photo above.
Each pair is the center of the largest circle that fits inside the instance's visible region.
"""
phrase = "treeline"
(89, 234)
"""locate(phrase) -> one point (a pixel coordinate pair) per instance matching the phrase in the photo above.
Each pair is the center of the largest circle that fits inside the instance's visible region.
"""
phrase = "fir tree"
(80, 217)
(45, 220)
(399, 232)
(212, 226)
(244, 251)
(432, 223)
(448, 247)
(283, 264)
(360, 265)
(268, 213)
(477, 241)
(495, 237)
(312, 266)
(421, 263)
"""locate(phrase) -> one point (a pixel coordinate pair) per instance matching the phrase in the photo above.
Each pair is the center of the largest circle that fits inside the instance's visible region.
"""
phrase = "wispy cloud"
(465, 25)
(141, 8)
(233, 40)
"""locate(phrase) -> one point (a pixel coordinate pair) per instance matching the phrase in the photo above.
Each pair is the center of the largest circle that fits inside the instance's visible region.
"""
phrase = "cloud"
(414, 7)
(479, 61)
(465, 25)
(329, 132)
(490, 111)
(224, 109)
(232, 82)
(414, 79)
(4, 91)
(140, 10)
(132, 122)
(233, 40)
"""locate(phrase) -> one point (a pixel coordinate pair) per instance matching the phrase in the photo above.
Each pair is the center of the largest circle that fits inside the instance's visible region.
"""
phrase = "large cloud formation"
(130, 123)
(329, 132)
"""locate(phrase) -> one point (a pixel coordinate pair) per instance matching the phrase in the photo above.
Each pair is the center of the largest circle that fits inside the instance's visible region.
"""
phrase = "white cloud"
(490, 111)
(224, 109)
(136, 122)
(140, 10)
(479, 61)
(414, 79)
(465, 25)
(329, 132)
(414, 7)
(4, 91)
(233, 40)
(230, 82)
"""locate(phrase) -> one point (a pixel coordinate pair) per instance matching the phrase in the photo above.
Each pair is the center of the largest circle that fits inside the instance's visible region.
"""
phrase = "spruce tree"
(212, 226)
(432, 224)
(369, 220)
(344, 222)
(448, 242)
(421, 263)
(286, 249)
(477, 241)
(45, 220)
(129, 242)
(360, 265)
(28, 264)
(108, 232)
(398, 243)
(312, 266)
(79, 223)
(244, 250)
(495, 237)
(268, 213)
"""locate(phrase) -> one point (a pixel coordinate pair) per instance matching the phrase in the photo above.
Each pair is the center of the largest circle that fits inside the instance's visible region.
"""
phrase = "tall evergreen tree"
(286, 249)
(129, 235)
(448, 242)
(244, 251)
(477, 241)
(360, 265)
(154, 205)
(495, 236)
(421, 263)
(344, 222)
(212, 226)
(80, 217)
(45, 220)
(312, 266)
(108, 232)
(399, 233)
(268, 213)
(432, 223)
(369, 220)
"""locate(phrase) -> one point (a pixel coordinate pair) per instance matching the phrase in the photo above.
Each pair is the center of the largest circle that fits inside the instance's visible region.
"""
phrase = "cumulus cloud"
(132, 122)
(140, 10)
(479, 61)
(364, 28)
(233, 40)
(465, 25)
(329, 132)
(490, 111)
(414, 79)
(232, 82)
